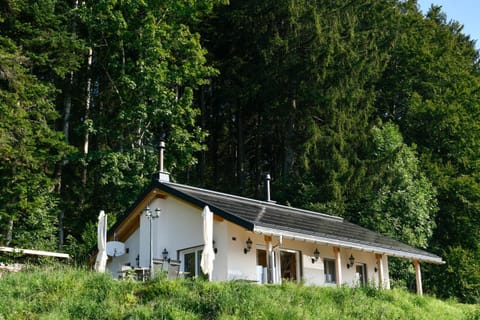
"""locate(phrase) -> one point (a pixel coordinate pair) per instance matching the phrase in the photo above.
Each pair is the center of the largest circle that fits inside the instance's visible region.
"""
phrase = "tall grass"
(66, 293)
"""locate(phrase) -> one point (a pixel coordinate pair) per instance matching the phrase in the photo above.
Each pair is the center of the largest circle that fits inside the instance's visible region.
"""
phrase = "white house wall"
(240, 265)
(243, 266)
(131, 245)
(179, 227)
(220, 234)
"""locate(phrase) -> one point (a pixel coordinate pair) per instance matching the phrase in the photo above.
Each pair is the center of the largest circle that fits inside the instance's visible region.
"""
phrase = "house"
(258, 241)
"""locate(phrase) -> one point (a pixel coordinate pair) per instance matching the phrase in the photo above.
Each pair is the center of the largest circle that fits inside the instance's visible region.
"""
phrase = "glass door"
(289, 265)
(361, 274)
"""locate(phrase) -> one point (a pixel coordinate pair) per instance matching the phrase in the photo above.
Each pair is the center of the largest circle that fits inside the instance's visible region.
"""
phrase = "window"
(329, 270)
(262, 273)
(262, 258)
(191, 262)
(361, 274)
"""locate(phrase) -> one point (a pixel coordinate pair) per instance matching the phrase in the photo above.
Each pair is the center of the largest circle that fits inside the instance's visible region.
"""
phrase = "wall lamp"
(215, 249)
(316, 255)
(249, 246)
(351, 261)
(165, 254)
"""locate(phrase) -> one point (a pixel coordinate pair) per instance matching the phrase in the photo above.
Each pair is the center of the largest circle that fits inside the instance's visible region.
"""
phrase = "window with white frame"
(191, 262)
(329, 270)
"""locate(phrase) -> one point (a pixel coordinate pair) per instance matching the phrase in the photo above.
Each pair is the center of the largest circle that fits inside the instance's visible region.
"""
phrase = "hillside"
(78, 294)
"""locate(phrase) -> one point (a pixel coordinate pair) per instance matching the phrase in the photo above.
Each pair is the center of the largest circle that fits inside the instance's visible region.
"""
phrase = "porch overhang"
(430, 258)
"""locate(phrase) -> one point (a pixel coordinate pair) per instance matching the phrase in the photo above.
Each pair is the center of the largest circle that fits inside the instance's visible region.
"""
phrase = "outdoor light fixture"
(215, 249)
(249, 246)
(316, 255)
(156, 214)
(351, 261)
(165, 254)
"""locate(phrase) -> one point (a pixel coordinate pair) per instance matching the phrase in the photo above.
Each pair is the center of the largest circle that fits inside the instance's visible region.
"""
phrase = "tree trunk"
(86, 138)
(240, 152)
(67, 109)
(9, 233)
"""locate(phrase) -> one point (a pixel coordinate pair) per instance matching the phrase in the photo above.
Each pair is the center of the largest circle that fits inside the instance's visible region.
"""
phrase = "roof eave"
(350, 245)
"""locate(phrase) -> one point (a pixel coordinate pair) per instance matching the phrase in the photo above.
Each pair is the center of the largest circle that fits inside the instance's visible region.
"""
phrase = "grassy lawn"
(68, 293)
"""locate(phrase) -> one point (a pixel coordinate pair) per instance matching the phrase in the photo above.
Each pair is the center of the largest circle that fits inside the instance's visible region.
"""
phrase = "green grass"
(67, 293)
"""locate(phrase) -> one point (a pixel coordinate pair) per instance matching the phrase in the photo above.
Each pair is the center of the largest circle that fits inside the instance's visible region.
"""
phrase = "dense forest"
(365, 109)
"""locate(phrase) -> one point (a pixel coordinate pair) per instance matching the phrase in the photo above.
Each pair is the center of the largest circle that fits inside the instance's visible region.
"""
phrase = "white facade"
(179, 229)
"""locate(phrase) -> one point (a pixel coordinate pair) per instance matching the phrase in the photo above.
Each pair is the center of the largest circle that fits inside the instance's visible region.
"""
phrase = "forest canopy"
(364, 109)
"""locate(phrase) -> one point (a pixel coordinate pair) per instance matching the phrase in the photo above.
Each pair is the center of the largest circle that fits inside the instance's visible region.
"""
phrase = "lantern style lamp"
(316, 255)
(351, 261)
(165, 254)
(249, 246)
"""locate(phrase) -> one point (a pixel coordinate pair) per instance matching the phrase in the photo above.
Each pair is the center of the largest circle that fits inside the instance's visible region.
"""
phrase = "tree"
(399, 200)
(29, 149)
(431, 90)
(137, 85)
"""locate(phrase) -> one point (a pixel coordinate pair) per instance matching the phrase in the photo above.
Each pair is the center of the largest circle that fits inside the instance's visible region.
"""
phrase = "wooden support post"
(268, 240)
(338, 266)
(418, 276)
(380, 270)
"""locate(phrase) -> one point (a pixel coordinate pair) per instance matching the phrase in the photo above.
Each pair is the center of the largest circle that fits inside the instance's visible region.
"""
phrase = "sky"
(464, 11)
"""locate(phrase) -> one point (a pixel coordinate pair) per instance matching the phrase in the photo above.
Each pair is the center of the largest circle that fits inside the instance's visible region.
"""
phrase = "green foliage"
(137, 89)
(460, 277)
(42, 294)
(29, 149)
(400, 201)
(432, 92)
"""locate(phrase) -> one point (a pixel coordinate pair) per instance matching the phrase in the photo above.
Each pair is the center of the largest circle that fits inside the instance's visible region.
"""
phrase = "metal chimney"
(162, 175)
(267, 186)
(160, 156)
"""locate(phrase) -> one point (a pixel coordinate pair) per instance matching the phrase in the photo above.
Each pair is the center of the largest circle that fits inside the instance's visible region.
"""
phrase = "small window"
(329, 270)
(262, 258)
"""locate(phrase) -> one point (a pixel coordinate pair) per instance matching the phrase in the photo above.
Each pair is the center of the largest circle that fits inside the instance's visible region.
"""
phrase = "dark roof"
(273, 219)
(270, 218)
